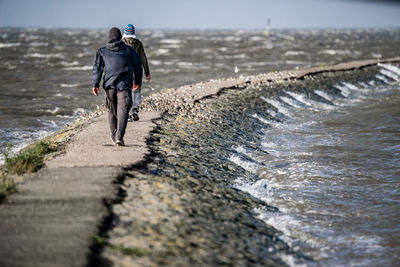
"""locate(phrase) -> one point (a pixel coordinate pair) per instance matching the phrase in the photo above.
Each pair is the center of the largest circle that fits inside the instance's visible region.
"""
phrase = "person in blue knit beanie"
(130, 39)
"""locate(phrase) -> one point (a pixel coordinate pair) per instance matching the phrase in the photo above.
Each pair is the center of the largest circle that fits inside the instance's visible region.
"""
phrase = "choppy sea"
(328, 156)
(326, 153)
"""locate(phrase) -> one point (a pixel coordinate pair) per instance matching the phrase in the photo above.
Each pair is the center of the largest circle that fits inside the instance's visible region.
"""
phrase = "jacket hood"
(115, 46)
(130, 41)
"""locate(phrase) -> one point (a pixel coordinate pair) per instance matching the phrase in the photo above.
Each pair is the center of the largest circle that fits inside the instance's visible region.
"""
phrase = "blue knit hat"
(129, 30)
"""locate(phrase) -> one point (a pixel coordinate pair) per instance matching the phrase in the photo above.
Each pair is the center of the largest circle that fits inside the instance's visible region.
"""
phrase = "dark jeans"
(119, 103)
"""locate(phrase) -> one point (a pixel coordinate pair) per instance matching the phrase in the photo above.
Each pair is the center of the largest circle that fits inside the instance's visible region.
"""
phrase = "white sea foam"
(259, 189)
(376, 55)
(277, 105)
(354, 88)
(38, 55)
(289, 101)
(285, 36)
(389, 67)
(69, 64)
(38, 44)
(240, 149)
(351, 86)
(170, 41)
(83, 54)
(263, 120)
(237, 56)
(161, 52)
(333, 52)
(382, 78)
(53, 111)
(257, 38)
(308, 102)
(157, 34)
(284, 220)
(291, 260)
(21, 139)
(272, 113)
(248, 166)
(390, 74)
(359, 242)
(66, 85)
(232, 39)
(323, 95)
(79, 112)
(186, 65)
(51, 124)
(5, 45)
(9, 65)
(268, 144)
(155, 62)
(299, 98)
(343, 90)
(364, 85)
(79, 68)
(83, 43)
(293, 53)
(257, 64)
(60, 95)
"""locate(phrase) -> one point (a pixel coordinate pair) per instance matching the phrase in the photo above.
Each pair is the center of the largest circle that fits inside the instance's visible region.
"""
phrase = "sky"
(199, 14)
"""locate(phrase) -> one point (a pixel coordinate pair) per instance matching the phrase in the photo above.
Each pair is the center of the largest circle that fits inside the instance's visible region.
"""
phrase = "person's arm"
(145, 64)
(98, 66)
(137, 68)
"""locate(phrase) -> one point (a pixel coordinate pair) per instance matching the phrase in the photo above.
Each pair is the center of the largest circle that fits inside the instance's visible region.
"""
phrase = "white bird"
(236, 69)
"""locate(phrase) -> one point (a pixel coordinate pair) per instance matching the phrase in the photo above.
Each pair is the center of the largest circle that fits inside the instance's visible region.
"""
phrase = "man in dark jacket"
(130, 39)
(121, 65)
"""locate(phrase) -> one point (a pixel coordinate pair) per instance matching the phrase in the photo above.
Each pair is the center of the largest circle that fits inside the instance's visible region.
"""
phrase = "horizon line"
(200, 29)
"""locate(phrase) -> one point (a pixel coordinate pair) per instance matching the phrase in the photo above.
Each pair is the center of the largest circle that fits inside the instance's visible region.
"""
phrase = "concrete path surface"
(52, 219)
(93, 147)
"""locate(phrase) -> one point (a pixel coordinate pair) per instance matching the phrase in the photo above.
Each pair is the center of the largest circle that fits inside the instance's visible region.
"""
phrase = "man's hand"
(148, 77)
(135, 87)
(95, 90)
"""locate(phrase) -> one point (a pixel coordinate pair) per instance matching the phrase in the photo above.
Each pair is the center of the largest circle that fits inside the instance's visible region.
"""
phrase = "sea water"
(332, 167)
(46, 74)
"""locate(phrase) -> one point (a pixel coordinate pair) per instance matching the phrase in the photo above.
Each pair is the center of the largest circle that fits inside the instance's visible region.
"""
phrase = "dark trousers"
(119, 103)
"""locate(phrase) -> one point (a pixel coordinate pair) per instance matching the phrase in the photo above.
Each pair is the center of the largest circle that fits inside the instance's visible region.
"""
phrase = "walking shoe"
(135, 114)
(113, 140)
(120, 143)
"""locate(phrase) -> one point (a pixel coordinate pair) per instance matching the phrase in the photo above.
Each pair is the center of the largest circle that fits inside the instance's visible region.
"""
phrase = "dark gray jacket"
(120, 64)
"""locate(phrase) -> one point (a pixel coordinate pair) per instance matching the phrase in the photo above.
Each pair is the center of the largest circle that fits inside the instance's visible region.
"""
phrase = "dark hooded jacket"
(137, 45)
(120, 64)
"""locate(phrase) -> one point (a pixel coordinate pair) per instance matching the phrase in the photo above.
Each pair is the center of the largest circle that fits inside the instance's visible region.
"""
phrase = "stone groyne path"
(56, 213)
